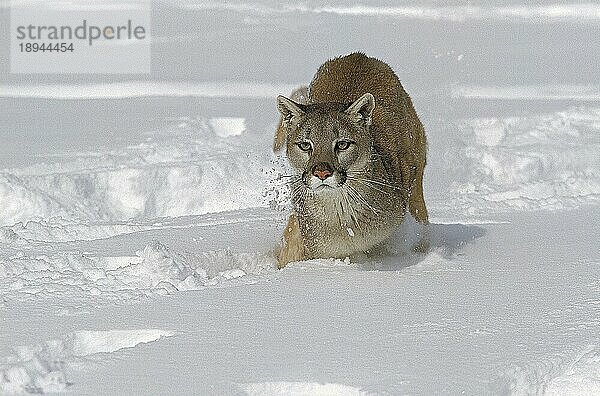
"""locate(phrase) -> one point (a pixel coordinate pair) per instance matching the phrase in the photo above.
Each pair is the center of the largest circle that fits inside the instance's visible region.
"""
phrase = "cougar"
(358, 152)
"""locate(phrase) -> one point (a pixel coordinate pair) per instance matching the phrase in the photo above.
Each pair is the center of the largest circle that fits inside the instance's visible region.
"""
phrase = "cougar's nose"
(322, 170)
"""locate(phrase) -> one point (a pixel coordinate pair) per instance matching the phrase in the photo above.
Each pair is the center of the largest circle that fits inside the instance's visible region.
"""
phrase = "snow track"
(541, 161)
(154, 270)
(171, 176)
(43, 368)
(575, 374)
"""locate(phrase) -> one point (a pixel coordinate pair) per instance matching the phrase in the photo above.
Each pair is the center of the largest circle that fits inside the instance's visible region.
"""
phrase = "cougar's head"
(325, 141)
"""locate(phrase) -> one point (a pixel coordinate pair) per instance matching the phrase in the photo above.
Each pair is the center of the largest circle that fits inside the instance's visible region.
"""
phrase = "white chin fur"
(318, 185)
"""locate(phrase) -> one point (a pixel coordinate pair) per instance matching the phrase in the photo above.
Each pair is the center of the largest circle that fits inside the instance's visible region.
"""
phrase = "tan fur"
(331, 224)
(292, 248)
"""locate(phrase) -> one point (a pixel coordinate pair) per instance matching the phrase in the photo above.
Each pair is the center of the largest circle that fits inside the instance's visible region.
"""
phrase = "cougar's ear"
(288, 109)
(280, 135)
(362, 109)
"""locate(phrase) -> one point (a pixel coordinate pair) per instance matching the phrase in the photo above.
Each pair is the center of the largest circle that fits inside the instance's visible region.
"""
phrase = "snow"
(560, 375)
(135, 89)
(228, 126)
(38, 368)
(150, 179)
(531, 14)
(583, 93)
(534, 162)
(299, 388)
(138, 217)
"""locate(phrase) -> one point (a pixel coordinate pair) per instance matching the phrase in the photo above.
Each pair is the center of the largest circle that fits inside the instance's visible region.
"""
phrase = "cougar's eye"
(343, 145)
(304, 145)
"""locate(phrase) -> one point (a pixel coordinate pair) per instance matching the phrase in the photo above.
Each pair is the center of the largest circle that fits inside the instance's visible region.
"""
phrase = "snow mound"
(42, 368)
(582, 376)
(154, 270)
(299, 388)
(193, 167)
(547, 161)
(557, 375)
(86, 343)
(228, 126)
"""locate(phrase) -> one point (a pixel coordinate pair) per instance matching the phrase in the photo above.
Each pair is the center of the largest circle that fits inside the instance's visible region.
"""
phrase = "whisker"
(360, 198)
(393, 187)
(354, 217)
(370, 185)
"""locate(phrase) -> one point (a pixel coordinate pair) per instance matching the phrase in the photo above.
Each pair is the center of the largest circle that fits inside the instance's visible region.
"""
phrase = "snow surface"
(138, 217)
(133, 89)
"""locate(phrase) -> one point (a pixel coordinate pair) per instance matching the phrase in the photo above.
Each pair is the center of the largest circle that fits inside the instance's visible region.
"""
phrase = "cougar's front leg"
(292, 247)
